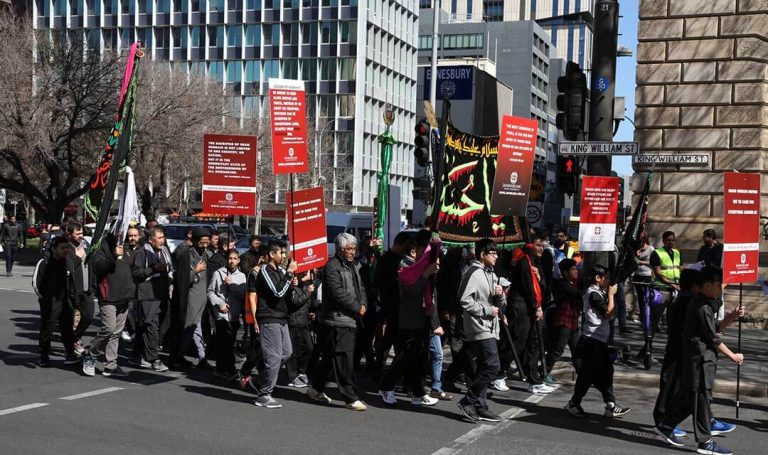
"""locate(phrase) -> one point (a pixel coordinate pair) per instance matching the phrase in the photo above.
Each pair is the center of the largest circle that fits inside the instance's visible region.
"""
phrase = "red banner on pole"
(741, 233)
(599, 207)
(289, 126)
(306, 228)
(229, 174)
(514, 166)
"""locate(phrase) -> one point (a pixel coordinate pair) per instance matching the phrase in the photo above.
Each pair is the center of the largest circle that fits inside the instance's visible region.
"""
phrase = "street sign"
(598, 148)
(603, 83)
(693, 159)
(535, 214)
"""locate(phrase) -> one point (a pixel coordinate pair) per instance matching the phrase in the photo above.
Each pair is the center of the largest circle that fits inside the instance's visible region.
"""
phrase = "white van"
(358, 224)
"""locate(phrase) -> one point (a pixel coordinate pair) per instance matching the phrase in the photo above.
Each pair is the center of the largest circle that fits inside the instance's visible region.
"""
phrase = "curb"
(567, 374)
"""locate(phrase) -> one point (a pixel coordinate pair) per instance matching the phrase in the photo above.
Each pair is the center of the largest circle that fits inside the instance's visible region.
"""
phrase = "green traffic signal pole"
(382, 201)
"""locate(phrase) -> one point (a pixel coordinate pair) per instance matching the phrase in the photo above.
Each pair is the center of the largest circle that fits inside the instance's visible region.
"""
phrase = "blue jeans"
(436, 361)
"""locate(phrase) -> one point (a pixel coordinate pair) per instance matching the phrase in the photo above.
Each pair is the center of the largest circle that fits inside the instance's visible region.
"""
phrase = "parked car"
(233, 229)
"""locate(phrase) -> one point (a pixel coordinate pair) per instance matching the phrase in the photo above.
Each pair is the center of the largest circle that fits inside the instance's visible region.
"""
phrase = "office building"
(355, 56)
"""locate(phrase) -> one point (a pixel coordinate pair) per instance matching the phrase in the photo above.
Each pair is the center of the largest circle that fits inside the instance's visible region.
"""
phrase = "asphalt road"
(57, 410)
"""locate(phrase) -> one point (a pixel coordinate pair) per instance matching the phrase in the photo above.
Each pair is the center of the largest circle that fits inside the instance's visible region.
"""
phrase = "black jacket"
(113, 276)
(299, 313)
(79, 273)
(389, 291)
(343, 293)
(56, 282)
(11, 235)
(149, 285)
(275, 294)
(215, 262)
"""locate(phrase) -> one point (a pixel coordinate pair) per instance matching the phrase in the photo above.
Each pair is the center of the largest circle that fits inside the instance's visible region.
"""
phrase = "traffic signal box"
(571, 101)
(568, 172)
(422, 143)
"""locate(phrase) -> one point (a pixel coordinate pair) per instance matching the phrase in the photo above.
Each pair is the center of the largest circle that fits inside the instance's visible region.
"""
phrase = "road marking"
(473, 434)
(535, 398)
(26, 291)
(90, 394)
(26, 407)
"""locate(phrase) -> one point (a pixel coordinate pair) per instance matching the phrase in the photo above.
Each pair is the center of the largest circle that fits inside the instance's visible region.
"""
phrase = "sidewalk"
(754, 371)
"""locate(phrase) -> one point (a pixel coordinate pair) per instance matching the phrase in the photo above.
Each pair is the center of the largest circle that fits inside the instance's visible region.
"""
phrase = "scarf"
(152, 259)
(520, 254)
(408, 276)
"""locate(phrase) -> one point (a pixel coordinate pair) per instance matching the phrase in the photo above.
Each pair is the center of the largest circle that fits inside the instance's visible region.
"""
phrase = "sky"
(625, 77)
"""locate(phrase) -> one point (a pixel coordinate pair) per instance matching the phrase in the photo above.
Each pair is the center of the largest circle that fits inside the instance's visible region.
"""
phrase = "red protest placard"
(741, 233)
(514, 166)
(289, 126)
(306, 228)
(599, 207)
(229, 174)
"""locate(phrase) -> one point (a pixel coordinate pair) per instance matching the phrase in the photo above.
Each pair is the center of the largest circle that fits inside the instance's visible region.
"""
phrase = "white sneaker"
(89, 364)
(540, 388)
(424, 400)
(126, 336)
(388, 396)
(500, 385)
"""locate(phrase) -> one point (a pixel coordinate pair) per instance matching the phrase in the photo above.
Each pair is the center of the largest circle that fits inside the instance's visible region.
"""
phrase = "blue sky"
(625, 77)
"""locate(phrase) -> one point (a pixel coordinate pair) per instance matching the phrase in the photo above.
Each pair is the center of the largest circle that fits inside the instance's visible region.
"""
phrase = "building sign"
(741, 233)
(289, 126)
(306, 228)
(229, 174)
(514, 166)
(457, 82)
(599, 207)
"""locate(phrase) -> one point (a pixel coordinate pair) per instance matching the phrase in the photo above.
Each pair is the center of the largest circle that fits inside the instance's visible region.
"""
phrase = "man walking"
(111, 266)
(132, 244)
(151, 268)
(56, 300)
(12, 239)
(83, 298)
(274, 290)
(226, 292)
(344, 300)
(482, 300)
(711, 253)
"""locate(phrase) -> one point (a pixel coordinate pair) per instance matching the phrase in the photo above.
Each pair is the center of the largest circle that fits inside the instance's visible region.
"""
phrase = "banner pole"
(292, 231)
(738, 350)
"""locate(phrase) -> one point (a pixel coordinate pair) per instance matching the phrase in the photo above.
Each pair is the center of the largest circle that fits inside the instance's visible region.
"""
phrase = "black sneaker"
(668, 436)
(487, 416)
(468, 410)
(575, 410)
(116, 372)
(613, 410)
(712, 448)
(44, 362)
(204, 365)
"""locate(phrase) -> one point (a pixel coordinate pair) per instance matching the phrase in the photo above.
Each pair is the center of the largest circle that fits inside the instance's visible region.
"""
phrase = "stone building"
(702, 88)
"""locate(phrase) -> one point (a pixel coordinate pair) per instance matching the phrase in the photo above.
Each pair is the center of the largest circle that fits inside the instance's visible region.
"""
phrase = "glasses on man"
(350, 248)
(493, 253)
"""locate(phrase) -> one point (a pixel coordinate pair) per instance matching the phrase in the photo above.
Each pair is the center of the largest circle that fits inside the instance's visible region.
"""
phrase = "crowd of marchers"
(502, 312)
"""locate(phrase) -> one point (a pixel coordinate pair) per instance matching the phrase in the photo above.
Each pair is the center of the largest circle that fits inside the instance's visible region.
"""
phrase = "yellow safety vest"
(670, 266)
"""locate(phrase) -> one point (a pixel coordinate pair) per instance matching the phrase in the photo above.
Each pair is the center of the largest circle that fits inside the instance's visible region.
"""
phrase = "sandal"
(441, 396)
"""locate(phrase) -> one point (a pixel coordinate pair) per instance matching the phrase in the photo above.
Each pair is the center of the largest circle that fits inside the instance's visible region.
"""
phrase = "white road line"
(90, 394)
(473, 434)
(26, 407)
(535, 398)
(26, 291)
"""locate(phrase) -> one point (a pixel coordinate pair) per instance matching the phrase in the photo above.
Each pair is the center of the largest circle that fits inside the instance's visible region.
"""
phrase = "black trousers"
(487, 363)
(226, 335)
(596, 370)
(54, 312)
(301, 341)
(669, 388)
(525, 337)
(410, 361)
(557, 339)
(130, 319)
(87, 308)
(462, 358)
(366, 329)
(10, 251)
(385, 343)
(696, 403)
(337, 348)
(253, 357)
(146, 344)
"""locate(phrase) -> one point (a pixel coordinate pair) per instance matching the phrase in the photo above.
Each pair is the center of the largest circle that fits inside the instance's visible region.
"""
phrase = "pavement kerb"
(567, 375)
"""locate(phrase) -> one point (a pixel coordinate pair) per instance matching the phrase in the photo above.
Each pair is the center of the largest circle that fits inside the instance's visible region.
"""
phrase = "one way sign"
(598, 148)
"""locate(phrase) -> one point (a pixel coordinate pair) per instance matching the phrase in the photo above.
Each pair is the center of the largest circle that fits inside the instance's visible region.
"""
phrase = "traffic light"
(422, 189)
(568, 171)
(571, 102)
(422, 143)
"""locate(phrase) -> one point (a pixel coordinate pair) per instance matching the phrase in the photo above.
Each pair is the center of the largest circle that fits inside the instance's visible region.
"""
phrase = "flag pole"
(738, 349)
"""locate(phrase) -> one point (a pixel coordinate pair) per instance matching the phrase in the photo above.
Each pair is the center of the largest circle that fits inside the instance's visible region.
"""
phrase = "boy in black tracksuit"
(701, 345)
(56, 302)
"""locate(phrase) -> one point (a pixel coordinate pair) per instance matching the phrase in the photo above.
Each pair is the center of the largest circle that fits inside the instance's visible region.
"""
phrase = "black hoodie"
(113, 275)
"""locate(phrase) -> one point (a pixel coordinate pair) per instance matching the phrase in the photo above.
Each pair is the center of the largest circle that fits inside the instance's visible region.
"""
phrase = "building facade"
(702, 89)
(354, 55)
(568, 22)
